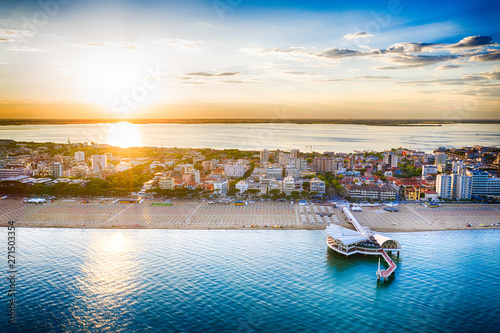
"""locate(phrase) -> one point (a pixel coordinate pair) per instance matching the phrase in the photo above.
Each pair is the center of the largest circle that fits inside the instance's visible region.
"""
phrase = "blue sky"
(255, 59)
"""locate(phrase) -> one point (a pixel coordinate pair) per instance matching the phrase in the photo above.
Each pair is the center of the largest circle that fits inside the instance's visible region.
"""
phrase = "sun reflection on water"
(109, 274)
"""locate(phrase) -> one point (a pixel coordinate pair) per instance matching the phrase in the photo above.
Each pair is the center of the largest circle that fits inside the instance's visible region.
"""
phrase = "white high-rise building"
(295, 153)
(236, 170)
(454, 186)
(99, 162)
(443, 186)
(461, 186)
(482, 184)
(80, 156)
(288, 185)
(458, 167)
(195, 176)
(440, 158)
(391, 159)
(264, 156)
(429, 170)
(292, 172)
(284, 158)
(56, 170)
(221, 187)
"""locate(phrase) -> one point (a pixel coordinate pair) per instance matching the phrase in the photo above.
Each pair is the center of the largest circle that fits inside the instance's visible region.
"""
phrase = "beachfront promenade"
(201, 215)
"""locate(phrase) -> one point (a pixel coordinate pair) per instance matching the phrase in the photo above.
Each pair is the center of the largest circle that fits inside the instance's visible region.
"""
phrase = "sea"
(91, 280)
(306, 137)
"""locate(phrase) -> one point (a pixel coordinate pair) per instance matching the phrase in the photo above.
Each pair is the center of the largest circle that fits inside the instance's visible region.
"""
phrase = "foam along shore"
(78, 213)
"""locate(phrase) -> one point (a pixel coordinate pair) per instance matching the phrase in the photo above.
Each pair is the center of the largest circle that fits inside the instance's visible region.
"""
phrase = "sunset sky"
(250, 59)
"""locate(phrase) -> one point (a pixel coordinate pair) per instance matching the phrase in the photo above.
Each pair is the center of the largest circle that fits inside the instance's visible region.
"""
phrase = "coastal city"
(466, 174)
(89, 185)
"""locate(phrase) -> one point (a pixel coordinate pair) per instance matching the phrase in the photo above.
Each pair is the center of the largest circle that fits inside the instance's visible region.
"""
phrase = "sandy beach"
(74, 213)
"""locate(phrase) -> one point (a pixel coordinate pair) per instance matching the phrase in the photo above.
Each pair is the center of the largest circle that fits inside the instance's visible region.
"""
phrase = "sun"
(108, 73)
(124, 135)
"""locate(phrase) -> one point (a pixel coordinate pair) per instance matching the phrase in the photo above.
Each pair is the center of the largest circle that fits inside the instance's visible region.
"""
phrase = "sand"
(73, 213)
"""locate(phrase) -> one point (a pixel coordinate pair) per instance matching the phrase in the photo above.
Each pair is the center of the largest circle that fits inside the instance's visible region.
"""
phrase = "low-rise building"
(317, 185)
(9, 173)
(274, 173)
(242, 186)
(167, 183)
(412, 193)
(373, 192)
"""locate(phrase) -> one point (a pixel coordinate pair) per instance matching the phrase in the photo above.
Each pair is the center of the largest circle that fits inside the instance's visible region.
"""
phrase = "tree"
(306, 186)
(253, 191)
(233, 191)
(275, 193)
(249, 172)
(295, 195)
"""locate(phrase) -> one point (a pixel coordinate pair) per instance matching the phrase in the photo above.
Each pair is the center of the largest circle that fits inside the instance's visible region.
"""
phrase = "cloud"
(390, 68)
(448, 67)
(409, 61)
(405, 53)
(212, 75)
(367, 77)
(467, 42)
(189, 44)
(25, 49)
(464, 80)
(372, 77)
(335, 53)
(128, 46)
(14, 35)
(473, 41)
(491, 55)
(411, 47)
(232, 82)
(359, 34)
(493, 75)
(299, 73)
(121, 45)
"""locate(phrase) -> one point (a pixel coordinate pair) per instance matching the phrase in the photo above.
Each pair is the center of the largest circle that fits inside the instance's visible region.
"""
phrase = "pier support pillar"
(398, 254)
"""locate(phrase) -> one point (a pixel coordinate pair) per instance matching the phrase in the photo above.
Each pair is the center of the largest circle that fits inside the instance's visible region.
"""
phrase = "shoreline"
(243, 229)
(199, 215)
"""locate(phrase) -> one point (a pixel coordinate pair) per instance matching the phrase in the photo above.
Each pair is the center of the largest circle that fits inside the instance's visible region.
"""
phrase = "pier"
(362, 240)
(385, 274)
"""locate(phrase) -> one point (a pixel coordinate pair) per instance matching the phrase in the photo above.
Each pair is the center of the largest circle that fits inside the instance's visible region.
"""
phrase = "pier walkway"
(381, 242)
(384, 274)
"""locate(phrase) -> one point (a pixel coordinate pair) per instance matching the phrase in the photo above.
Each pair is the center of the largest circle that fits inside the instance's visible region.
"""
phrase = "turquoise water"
(248, 281)
(322, 137)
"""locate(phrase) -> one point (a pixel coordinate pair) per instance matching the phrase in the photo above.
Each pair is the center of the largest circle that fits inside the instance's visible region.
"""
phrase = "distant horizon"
(352, 121)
